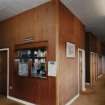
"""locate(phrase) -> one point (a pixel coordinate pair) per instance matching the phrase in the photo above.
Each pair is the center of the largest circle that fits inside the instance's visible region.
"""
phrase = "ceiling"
(9, 8)
(91, 13)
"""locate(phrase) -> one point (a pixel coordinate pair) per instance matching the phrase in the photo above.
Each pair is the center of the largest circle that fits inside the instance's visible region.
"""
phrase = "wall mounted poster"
(70, 50)
(52, 68)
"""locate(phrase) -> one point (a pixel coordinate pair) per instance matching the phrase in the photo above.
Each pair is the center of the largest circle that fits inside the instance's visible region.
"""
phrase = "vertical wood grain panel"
(71, 30)
(40, 23)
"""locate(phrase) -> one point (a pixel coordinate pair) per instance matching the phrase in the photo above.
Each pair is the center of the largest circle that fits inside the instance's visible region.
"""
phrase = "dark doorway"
(80, 70)
(3, 73)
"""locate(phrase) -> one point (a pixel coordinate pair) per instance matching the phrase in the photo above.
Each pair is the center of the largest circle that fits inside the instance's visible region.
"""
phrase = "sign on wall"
(70, 50)
(52, 68)
(28, 39)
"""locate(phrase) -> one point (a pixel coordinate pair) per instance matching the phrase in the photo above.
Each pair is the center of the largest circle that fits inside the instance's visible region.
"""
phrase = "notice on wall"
(52, 68)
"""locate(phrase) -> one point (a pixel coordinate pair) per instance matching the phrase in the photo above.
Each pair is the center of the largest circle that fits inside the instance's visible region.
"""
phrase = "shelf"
(35, 57)
(42, 77)
(30, 57)
(40, 57)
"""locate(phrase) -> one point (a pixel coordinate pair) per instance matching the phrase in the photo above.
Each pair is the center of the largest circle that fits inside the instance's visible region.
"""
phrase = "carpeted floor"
(94, 96)
(4, 101)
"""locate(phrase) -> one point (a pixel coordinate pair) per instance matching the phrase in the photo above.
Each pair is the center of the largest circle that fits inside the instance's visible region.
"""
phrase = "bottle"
(28, 53)
(39, 53)
(35, 53)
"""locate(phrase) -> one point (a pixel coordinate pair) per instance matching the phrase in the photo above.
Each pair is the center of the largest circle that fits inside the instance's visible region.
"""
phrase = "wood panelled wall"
(71, 30)
(93, 44)
(56, 24)
(40, 24)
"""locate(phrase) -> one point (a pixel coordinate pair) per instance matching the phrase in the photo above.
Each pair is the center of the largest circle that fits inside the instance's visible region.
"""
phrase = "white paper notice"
(52, 68)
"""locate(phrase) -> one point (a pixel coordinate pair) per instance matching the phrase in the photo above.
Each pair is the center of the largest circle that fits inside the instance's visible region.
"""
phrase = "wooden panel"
(32, 45)
(71, 30)
(93, 68)
(40, 24)
(93, 43)
(99, 65)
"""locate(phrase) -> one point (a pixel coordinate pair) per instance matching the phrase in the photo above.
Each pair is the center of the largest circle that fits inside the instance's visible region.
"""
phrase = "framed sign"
(23, 69)
(52, 68)
(70, 50)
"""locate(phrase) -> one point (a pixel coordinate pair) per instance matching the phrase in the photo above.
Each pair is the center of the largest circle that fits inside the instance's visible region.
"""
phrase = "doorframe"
(83, 72)
(1, 50)
(103, 66)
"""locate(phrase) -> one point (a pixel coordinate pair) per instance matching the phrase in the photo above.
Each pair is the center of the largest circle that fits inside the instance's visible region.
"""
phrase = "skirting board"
(20, 101)
(72, 100)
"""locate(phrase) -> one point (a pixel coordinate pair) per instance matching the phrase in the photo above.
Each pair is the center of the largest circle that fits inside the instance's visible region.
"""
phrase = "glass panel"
(23, 68)
(38, 57)
(38, 68)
